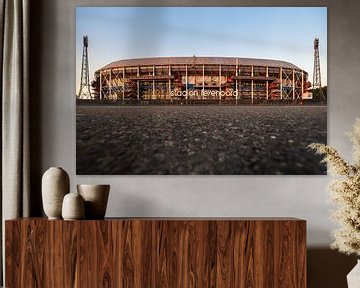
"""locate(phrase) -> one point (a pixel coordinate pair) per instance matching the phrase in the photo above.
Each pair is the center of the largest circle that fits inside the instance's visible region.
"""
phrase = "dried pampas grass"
(345, 192)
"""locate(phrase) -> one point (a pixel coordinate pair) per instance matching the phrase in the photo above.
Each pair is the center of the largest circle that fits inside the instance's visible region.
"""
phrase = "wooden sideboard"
(156, 252)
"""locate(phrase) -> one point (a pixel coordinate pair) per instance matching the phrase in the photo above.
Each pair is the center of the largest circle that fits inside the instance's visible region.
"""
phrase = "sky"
(279, 33)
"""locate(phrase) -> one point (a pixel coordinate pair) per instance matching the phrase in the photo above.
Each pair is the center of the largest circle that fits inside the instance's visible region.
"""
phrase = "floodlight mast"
(317, 74)
(86, 41)
(84, 90)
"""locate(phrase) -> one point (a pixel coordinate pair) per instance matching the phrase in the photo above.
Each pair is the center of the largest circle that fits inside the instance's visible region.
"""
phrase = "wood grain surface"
(245, 253)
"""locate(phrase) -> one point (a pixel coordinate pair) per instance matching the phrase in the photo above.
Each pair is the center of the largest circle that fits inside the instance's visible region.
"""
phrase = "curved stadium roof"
(197, 61)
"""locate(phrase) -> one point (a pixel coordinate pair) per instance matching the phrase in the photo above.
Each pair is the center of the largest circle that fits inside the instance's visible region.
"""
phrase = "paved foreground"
(223, 140)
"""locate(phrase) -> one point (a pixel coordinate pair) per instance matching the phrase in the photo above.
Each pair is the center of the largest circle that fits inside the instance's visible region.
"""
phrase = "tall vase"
(55, 185)
(353, 278)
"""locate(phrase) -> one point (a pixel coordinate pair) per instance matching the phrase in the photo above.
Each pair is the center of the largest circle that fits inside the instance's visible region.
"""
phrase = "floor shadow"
(328, 268)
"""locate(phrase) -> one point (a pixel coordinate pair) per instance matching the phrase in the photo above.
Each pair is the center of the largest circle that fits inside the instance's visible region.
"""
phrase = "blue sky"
(263, 32)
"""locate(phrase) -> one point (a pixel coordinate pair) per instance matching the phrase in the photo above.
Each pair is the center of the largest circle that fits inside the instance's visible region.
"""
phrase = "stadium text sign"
(203, 93)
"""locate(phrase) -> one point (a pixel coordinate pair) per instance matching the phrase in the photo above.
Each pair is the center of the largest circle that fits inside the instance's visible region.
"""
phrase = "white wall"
(53, 125)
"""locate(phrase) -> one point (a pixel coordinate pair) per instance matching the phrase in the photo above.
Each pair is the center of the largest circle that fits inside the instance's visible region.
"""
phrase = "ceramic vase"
(54, 186)
(73, 207)
(96, 198)
(353, 278)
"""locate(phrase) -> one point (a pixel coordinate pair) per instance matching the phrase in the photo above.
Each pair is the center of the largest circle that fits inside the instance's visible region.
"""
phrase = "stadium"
(169, 79)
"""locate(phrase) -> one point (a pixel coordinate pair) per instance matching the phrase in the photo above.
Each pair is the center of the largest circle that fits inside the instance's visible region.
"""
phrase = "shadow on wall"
(328, 268)
(139, 207)
(37, 38)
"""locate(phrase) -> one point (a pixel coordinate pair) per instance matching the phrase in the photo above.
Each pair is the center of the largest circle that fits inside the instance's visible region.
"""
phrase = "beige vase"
(96, 198)
(54, 186)
(73, 207)
(353, 278)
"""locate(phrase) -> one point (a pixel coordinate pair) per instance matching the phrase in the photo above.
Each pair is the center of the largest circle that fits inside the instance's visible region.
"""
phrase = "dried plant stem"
(345, 192)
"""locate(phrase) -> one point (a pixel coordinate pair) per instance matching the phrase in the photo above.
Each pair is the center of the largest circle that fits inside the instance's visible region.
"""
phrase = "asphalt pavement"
(206, 140)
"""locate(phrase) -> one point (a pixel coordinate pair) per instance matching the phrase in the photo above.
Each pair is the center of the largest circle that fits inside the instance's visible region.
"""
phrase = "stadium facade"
(201, 78)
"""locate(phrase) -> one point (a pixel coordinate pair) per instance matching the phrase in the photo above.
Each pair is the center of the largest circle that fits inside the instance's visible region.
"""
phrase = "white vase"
(95, 197)
(55, 185)
(353, 278)
(73, 207)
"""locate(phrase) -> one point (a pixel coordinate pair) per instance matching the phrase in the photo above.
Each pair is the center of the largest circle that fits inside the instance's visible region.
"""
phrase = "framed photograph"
(200, 90)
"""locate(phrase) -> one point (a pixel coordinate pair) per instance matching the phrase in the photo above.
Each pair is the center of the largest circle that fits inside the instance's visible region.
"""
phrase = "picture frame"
(177, 99)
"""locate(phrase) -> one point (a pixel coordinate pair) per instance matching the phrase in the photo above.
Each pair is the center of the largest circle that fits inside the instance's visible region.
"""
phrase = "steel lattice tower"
(84, 90)
(317, 75)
